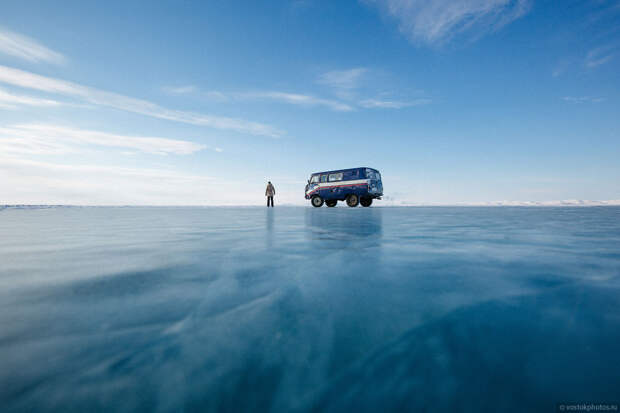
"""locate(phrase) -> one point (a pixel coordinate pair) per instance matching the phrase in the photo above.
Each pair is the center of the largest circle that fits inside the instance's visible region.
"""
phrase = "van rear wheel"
(366, 202)
(317, 201)
(353, 200)
(331, 203)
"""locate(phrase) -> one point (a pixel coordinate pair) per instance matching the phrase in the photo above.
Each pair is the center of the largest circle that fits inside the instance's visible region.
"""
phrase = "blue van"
(355, 186)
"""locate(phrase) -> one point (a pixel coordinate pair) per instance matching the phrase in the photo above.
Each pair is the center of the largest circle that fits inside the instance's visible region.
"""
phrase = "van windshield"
(370, 174)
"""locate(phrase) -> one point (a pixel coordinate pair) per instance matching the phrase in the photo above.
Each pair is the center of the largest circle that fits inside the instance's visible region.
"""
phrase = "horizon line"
(567, 204)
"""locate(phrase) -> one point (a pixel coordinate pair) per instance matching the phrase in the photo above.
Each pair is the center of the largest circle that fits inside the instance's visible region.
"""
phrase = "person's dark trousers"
(270, 199)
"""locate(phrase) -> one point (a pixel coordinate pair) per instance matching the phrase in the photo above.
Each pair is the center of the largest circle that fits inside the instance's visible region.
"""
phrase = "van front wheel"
(353, 200)
(317, 201)
(366, 202)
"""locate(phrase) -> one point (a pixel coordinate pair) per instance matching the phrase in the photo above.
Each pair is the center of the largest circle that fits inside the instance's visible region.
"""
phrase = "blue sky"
(200, 103)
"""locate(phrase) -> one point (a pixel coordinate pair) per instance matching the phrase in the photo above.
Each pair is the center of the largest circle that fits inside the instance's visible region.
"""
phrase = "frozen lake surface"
(302, 309)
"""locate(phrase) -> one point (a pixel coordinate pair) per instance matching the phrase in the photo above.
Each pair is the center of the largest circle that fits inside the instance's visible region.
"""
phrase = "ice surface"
(292, 308)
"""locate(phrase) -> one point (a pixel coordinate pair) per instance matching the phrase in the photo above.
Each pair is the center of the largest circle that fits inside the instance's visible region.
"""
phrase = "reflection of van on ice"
(357, 185)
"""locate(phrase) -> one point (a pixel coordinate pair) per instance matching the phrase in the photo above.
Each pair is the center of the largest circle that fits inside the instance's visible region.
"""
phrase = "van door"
(335, 191)
(322, 180)
(374, 182)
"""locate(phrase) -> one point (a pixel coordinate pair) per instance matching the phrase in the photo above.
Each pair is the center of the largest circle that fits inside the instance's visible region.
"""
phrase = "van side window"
(314, 179)
(335, 177)
(348, 175)
(323, 178)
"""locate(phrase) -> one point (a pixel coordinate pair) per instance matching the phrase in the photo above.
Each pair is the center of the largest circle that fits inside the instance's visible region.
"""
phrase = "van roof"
(344, 170)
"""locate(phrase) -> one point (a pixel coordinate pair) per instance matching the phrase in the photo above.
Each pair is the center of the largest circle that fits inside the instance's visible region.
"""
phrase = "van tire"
(331, 203)
(316, 201)
(353, 200)
(366, 202)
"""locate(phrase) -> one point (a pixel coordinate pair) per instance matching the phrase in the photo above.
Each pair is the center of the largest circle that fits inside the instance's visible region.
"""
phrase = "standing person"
(269, 193)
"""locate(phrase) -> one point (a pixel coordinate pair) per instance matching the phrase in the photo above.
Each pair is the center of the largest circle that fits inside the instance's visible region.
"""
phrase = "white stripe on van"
(338, 183)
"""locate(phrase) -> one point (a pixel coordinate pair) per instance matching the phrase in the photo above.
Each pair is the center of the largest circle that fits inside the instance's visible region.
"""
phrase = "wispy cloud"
(25, 48)
(180, 90)
(349, 105)
(297, 5)
(40, 182)
(117, 101)
(561, 67)
(12, 101)
(38, 139)
(297, 99)
(583, 99)
(599, 56)
(351, 84)
(343, 79)
(392, 104)
(434, 22)
(344, 84)
(215, 95)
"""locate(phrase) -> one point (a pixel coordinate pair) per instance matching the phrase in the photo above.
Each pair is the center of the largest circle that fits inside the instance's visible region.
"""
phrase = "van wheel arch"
(353, 200)
(316, 201)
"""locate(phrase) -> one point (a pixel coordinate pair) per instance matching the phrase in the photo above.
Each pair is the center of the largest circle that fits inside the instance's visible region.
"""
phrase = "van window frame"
(339, 176)
(351, 175)
(323, 178)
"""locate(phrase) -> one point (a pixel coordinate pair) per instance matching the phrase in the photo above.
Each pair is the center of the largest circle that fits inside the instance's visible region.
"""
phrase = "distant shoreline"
(582, 204)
